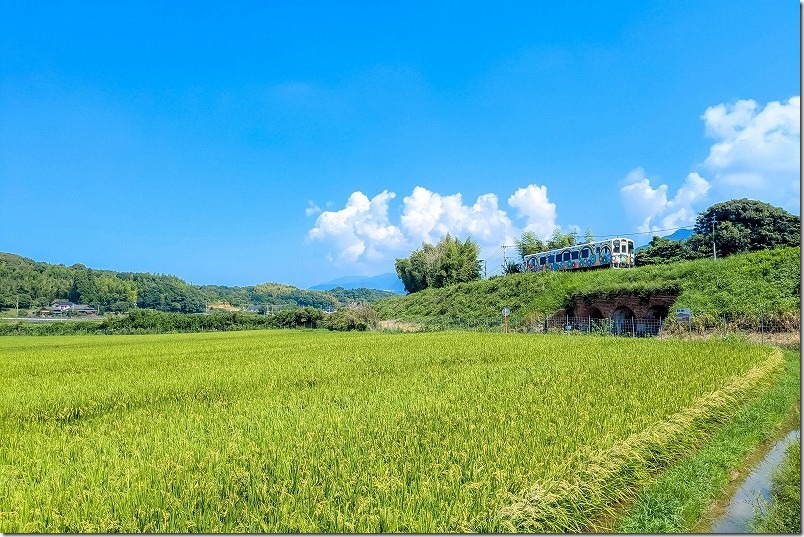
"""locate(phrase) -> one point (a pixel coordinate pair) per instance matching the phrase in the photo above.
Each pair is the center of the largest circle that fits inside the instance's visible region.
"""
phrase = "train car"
(615, 253)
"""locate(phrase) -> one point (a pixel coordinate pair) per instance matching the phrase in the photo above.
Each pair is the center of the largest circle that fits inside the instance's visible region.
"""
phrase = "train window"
(630, 246)
(585, 253)
(616, 247)
(566, 256)
(575, 254)
(551, 259)
(542, 261)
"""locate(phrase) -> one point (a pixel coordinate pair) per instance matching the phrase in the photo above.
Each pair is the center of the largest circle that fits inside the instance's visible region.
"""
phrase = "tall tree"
(529, 243)
(745, 225)
(561, 240)
(448, 262)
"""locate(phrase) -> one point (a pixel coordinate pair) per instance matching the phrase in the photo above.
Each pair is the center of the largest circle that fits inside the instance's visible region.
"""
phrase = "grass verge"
(784, 513)
(681, 496)
(573, 504)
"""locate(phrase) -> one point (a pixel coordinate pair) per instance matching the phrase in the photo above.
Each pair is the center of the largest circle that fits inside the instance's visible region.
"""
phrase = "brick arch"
(607, 305)
(658, 311)
(623, 313)
(622, 319)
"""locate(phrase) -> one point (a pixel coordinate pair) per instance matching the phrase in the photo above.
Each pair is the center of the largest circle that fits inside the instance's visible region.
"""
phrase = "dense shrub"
(306, 317)
(361, 318)
(143, 321)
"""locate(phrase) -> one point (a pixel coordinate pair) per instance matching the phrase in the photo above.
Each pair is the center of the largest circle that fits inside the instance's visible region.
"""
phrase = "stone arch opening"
(596, 320)
(656, 314)
(622, 320)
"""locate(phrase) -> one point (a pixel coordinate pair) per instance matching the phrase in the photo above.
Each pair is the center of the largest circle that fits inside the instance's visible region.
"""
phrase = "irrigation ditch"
(714, 489)
(755, 489)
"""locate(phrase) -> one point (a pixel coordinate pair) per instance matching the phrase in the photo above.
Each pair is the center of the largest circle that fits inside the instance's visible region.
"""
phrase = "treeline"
(158, 322)
(287, 295)
(725, 229)
(30, 284)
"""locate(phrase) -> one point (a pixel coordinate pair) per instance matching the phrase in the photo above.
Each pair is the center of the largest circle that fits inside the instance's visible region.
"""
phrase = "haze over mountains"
(384, 282)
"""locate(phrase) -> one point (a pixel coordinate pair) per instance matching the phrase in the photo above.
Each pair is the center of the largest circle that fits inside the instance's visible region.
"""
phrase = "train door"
(605, 254)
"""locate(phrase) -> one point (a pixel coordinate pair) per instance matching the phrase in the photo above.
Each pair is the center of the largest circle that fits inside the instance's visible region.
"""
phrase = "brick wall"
(654, 306)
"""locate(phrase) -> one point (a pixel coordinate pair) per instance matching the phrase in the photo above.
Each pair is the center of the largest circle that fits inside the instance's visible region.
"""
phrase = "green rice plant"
(274, 431)
(680, 499)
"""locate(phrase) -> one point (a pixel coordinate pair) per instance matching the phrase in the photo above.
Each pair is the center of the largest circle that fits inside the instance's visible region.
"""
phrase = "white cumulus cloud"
(539, 213)
(651, 209)
(427, 216)
(361, 231)
(312, 208)
(757, 150)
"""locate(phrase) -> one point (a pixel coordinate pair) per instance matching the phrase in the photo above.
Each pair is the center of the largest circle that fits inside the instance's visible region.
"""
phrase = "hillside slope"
(33, 284)
(767, 281)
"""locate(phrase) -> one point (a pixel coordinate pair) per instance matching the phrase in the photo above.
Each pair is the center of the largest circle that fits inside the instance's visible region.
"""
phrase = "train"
(616, 253)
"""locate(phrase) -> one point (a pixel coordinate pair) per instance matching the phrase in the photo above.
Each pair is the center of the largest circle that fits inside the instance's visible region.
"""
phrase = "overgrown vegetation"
(767, 281)
(738, 226)
(784, 511)
(157, 322)
(448, 262)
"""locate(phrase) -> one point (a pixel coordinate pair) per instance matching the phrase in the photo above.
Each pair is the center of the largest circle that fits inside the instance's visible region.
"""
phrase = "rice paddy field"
(284, 431)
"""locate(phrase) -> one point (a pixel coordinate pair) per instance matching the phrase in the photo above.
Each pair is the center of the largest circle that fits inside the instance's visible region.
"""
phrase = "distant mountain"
(383, 282)
(680, 235)
(677, 235)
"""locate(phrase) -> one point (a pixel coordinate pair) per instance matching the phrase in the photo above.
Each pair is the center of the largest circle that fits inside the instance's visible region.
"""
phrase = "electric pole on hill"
(714, 251)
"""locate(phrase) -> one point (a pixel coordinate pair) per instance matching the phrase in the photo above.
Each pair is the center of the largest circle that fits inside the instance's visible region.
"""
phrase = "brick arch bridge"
(625, 306)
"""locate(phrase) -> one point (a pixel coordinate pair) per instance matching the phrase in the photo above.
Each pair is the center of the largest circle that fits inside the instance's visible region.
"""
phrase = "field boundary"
(570, 505)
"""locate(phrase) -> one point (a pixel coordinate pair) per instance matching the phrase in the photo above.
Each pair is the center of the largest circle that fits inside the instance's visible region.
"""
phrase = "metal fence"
(762, 328)
(607, 326)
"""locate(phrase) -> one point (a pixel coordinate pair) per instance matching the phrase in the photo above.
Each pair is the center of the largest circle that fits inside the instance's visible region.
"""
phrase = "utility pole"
(714, 251)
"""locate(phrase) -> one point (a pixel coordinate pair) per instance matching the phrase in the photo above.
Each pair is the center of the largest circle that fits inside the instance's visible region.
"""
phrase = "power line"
(499, 255)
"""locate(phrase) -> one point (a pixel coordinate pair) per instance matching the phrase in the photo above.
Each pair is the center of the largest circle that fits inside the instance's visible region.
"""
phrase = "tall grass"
(293, 431)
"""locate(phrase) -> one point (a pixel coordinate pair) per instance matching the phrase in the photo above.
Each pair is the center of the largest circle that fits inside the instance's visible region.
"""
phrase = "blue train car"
(615, 253)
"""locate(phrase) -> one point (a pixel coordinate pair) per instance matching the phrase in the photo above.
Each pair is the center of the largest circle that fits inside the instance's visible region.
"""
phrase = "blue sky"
(236, 143)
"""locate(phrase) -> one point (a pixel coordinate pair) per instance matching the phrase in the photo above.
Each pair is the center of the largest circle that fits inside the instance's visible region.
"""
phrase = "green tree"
(529, 243)
(512, 267)
(744, 225)
(448, 262)
(561, 240)
(588, 236)
(662, 250)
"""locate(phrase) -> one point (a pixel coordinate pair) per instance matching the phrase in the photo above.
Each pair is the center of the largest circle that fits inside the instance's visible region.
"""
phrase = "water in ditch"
(740, 510)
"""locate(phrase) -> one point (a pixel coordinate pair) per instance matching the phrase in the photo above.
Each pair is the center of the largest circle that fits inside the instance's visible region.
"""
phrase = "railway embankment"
(765, 283)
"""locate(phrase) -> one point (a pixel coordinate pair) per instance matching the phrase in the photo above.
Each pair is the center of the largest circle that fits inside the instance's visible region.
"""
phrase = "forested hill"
(36, 284)
(767, 280)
